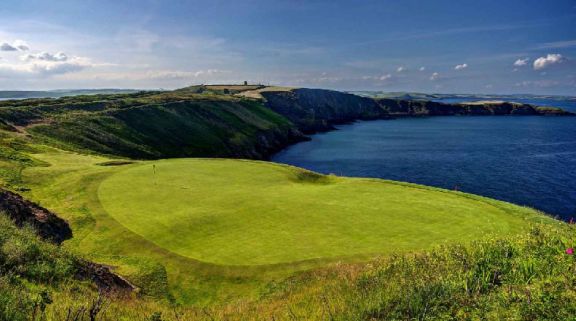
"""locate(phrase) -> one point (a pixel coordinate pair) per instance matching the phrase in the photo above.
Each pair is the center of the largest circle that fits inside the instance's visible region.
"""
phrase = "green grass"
(529, 276)
(29, 270)
(152, 125)
(231, 212)
(224, 229)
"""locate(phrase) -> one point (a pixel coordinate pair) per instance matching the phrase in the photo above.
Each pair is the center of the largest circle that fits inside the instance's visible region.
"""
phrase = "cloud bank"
(46, 56)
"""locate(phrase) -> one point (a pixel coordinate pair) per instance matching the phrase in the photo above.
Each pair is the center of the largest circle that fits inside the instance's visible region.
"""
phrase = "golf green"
(234, 212)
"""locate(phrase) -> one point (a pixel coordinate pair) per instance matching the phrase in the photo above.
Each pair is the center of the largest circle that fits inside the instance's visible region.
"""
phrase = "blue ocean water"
(527, 160)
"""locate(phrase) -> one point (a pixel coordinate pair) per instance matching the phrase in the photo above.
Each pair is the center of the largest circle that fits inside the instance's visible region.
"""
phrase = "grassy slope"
(69, 187)
(231, 212)
(29, 270)
(524, 277)
(152, 125)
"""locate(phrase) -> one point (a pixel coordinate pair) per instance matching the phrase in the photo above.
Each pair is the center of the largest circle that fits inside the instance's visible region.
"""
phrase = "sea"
(526, 160)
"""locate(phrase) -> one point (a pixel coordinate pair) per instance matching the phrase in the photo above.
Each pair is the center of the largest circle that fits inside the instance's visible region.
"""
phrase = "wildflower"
(570, 251)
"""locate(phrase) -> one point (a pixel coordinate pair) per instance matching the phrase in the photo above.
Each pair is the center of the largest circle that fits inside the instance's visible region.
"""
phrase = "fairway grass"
(231, 212)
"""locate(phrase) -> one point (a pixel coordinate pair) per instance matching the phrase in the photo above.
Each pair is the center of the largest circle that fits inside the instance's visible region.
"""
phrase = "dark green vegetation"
(60, 152)
(154, 125)
(30, 270)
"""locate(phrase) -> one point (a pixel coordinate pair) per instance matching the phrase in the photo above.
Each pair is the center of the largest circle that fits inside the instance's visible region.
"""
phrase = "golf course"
(202, 230)
(171, 192)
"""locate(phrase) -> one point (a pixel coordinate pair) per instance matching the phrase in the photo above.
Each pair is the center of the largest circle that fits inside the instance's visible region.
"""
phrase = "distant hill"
(22, 94)
(436, 96)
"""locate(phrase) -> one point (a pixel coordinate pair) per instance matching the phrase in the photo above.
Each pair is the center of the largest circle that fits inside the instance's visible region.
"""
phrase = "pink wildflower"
(570, 251)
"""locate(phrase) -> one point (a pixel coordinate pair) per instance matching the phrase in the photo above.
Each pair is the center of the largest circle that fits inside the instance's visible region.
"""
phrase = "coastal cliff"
(397, 108)
(215, 121)
(315, 110)
(316, 106)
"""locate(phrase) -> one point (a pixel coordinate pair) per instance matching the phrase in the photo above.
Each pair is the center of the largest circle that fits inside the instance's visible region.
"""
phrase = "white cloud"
(58, 68)
(550, 59)
(385, 77)
(460, 67)
(521, 62)
(400, 69)
(46, 56)
(35, 70)
(422, 68)
(36, 67)
(434, 76)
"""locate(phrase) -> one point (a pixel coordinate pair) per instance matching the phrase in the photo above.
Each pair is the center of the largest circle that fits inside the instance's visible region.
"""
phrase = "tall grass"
(527, 277)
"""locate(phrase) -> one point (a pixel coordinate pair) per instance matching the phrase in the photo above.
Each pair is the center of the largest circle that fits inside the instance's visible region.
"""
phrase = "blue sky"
(481, 46)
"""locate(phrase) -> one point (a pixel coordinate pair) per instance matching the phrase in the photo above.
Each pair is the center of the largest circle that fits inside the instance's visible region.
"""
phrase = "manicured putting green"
(234, 212)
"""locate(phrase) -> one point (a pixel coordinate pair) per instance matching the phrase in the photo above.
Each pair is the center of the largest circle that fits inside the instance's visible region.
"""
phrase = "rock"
(23, 212)
(104, 278)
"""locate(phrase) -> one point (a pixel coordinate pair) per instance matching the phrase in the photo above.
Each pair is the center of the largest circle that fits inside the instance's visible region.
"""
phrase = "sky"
(433, 46)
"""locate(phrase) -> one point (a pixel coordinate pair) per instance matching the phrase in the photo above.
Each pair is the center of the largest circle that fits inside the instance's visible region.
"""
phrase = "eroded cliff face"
(195, 128)
(315, 110)
(23, 212)
(51, 228)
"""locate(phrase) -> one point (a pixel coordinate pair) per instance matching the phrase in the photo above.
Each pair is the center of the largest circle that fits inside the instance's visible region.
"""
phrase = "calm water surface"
(527, 160)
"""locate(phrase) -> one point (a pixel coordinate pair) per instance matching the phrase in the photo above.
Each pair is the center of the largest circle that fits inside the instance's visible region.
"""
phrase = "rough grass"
(29, 270)
(524, 277)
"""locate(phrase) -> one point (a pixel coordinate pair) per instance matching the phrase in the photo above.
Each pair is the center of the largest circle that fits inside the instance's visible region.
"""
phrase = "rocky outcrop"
(23, 212)
(104, 278)
(54, 229)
